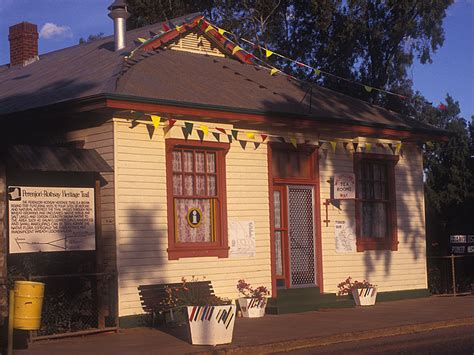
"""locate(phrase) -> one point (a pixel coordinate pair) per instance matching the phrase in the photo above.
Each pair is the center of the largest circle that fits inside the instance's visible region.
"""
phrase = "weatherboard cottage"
(187, 157)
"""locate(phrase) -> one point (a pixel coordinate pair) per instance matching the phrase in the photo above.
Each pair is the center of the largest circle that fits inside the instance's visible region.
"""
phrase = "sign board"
(44, 219)
(242, 238)
(461, 244)
(344, 186)
(345, 236)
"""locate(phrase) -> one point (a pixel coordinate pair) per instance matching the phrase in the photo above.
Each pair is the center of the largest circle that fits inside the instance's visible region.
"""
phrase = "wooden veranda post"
(3, 245)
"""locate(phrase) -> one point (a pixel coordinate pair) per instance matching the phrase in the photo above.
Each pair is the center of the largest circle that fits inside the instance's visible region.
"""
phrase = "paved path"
(283, 332)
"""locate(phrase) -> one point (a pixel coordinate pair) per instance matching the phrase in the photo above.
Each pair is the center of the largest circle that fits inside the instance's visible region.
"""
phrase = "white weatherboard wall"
(101, 138)
(404, 269)
(142, 232)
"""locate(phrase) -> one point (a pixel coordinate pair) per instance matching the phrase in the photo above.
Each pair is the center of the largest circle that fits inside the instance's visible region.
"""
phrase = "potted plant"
(364, 293)
(210, 318)
(254, 302)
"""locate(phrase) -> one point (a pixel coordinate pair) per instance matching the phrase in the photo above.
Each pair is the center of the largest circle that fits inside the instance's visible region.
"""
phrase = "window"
(376, 216)
(197, 218)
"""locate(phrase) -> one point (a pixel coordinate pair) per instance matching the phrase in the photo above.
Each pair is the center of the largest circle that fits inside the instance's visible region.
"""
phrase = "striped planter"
(211, 325)
(364, 296)
(252, 307)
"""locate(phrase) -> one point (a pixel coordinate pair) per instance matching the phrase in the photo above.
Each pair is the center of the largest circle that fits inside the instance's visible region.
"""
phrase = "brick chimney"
(23, 39)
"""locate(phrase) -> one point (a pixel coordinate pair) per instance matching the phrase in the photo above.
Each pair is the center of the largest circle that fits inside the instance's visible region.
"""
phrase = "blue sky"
(65, 21)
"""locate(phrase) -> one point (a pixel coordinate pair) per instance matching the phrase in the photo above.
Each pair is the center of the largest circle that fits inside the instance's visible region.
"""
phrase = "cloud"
(50, 30)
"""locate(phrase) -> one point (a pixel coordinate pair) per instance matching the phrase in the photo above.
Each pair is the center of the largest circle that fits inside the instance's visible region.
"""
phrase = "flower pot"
(252, 307)
(211, 325)
(364, 296)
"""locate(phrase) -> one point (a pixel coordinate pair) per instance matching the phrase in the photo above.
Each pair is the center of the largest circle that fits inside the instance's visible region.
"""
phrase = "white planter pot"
(365, 296)
(211, 325)
(252, 307)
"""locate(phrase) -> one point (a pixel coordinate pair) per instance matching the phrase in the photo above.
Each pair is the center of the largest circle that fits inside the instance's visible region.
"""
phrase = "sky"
(62, 23)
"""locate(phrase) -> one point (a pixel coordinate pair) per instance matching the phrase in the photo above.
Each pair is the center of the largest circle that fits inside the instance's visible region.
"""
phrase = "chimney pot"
(23, 39)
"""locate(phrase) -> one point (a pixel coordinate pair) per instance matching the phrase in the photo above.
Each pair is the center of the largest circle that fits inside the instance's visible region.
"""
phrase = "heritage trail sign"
(44, 219)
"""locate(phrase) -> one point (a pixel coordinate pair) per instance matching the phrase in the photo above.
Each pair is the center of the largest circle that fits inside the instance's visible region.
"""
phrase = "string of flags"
(245, 137)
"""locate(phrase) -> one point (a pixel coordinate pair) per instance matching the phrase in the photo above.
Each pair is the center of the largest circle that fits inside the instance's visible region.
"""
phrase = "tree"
(91, 38)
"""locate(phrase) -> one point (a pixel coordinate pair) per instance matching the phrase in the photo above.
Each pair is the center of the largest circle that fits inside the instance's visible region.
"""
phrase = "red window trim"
(220, 247)
(390, 243)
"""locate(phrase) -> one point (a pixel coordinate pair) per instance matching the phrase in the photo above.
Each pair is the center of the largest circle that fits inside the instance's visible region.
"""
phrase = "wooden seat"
(154, 297)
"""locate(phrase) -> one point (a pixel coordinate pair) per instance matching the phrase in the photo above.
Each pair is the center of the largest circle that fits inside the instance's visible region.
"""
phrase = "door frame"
(313, 180)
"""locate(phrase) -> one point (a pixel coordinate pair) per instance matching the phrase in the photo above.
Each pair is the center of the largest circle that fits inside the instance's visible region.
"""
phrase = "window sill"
(178, 253)
(376, 245)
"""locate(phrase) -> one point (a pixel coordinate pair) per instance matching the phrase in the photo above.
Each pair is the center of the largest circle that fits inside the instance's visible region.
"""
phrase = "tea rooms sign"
(44, 219)
(344, 186)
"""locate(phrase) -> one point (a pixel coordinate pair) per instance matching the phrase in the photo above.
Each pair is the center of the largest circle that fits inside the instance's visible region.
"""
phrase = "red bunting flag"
(222, 130)
(165, 27)
(264, 137)
(171, 123)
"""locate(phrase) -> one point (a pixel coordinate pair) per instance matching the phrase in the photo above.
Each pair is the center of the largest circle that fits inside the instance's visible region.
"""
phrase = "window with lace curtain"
(376, 216)
(197, 222)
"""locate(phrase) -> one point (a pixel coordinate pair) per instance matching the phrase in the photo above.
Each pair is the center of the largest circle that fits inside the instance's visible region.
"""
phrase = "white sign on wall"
(43, 219)
(344, 186)
(242, 238)
(345, 236)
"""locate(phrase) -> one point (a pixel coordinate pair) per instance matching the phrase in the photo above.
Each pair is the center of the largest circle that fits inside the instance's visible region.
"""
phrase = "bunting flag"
(274, 71)
(205, 129)
(345, 144)
(368, 147)
(217, 136)
(248, 56)
(317, 71)
(355, 146)
(141, 40)
(243, 144)
(268, 53)
(156, 120)
(200, 134)
(150, 130)
(229, 136)
(179, 28)
(281, 139)
(171, 122)
(165, 27)
(235, 133)
(185, 132)
(333, 145)
(392, 148)
(250, 135)
(208, 28)
(368, 88)
(189, 127)
(264, 137)
(222, 130)
(380, 145)
(221, 31)
(256, 144)
(293, 142)
(236, 49)
(398, 147)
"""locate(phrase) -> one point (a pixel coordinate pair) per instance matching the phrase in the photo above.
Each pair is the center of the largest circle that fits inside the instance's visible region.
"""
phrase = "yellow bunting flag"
(205, 129)
(236, 49)
(156, 120)
(274, 71)
(221, 31)
(268, 53)
(250, 135)
(179, 28)
(333, 145)
(397, 148)
(142, 40)
(368, 147)
(317, 71)
(208, 28)
(293, 141)
(368, 88)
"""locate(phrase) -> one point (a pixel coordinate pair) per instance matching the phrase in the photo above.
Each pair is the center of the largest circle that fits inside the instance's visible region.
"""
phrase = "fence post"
(453, 272)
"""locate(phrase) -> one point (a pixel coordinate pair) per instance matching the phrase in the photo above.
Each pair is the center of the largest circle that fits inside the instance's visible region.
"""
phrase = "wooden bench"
(153, 297)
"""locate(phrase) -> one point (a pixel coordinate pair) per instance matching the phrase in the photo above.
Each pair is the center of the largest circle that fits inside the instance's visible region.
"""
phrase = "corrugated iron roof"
(64, 159)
